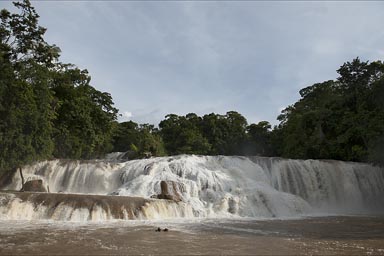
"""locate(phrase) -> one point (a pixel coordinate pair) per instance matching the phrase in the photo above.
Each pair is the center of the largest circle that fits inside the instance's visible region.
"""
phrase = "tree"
(259, 139)
(25, 99)
(214, 129)
(47, 108)
(140, 140)
(125, 135)
(85, 116)
(150, 141)
(211, 134)
(22, 37)
(182, 135)
(340, 119)
(236, 133)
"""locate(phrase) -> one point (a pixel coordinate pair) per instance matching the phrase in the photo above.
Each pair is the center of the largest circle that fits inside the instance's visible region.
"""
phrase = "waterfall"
(77, 207)
(208, 186)
(85, 177)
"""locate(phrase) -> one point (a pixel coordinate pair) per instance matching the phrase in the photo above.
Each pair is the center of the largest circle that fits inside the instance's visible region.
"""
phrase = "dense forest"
(49, 109)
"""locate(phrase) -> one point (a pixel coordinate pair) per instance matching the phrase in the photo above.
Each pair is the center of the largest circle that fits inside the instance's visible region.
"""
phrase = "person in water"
(159, 230)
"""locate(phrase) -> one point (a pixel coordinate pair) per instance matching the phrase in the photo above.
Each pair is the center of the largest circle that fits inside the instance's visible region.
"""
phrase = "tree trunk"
(22, 178)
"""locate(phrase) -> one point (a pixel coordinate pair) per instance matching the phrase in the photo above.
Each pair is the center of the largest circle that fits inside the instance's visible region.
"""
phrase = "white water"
(20, 210)
(214, 186)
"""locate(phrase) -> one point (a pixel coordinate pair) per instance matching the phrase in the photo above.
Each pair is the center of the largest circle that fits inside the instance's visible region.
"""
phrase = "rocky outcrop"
(170, 190)
(33, 186)
(74, 206)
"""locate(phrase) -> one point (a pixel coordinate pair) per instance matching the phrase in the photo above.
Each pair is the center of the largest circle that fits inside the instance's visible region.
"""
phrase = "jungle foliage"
(337, 119)
(47, 108)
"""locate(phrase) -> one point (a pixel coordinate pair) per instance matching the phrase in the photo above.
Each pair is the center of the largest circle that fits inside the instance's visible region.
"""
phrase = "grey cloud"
(157, 58)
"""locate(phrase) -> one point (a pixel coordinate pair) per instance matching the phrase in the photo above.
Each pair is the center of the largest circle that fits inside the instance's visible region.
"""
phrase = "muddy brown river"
(348, 235)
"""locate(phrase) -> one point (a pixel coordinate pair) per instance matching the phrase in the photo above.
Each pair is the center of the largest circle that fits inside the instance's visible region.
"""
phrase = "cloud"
(125, 116)
(157, 58)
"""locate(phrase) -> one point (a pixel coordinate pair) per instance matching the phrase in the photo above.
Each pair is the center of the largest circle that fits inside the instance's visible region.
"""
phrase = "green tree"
(85, 116)
(125, 135)
(259, 139)
(340, 119)
(46, 108)
(150, 141)
(182, 135)
(139, 140)
(226, 133)
(214, 129)
(26, 62)
(211, 134)
(236, 133)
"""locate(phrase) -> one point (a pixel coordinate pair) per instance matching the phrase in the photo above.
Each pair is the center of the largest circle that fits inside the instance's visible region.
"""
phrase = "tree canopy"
(47, 108)
(341, 119)
(138, 140)
(214, 134)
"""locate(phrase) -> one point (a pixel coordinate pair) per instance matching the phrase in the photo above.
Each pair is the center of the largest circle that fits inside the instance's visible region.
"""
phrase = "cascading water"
(206, 186)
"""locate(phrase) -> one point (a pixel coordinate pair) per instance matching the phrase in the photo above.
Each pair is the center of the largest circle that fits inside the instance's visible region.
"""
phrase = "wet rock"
(33, 186)
(169, 194)
(164, 187)
(165, 230)
(101, 207)
(168, 197)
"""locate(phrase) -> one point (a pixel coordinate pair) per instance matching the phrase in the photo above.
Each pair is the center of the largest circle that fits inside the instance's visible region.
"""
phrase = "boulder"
(169, 194)
(33, 186)
(164, 187)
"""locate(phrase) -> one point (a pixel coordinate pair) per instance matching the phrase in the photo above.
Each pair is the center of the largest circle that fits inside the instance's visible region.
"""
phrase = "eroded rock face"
(77, 207)
(33, 186)
(170, 190)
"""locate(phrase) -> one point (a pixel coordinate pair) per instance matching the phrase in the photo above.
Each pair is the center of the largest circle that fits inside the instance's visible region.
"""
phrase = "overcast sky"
(166, 57)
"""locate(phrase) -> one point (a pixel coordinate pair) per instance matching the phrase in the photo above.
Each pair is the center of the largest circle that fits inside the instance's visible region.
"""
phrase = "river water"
(341, 235)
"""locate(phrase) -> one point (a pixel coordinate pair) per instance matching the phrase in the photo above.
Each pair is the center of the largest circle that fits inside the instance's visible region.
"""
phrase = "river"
(341, 235)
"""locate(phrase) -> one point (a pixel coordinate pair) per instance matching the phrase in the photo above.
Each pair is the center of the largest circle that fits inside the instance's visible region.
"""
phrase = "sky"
(253, 57)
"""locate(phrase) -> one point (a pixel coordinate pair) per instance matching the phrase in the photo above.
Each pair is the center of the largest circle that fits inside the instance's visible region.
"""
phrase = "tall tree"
(139, 140)
(182, 135)
(259, 139)
(46, 107)
(84, 122)
(340, 119)
(25, 99)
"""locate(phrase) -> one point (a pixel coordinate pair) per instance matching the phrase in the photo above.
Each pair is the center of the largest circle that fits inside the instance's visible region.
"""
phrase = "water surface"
(348, 235)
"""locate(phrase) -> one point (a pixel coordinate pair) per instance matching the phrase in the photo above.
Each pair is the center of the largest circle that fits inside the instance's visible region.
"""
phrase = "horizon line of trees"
(48, 109)
(340, 119)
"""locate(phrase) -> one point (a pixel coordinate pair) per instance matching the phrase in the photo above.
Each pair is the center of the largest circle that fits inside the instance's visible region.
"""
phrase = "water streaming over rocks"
(208, 186)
